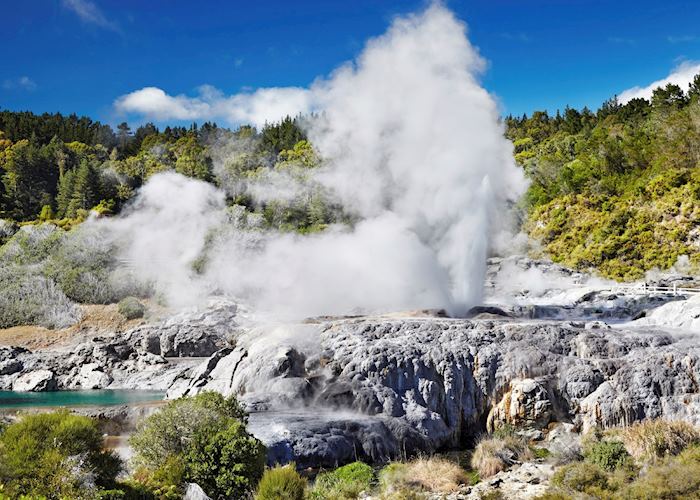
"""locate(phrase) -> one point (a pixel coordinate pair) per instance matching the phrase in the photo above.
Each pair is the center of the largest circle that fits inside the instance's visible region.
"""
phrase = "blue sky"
(80, 55)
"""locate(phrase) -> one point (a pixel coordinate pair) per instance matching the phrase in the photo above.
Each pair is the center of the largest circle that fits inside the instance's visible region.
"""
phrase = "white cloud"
(23, 83)
(681, 75)
(89, 13)
(681, 38)
(257, 107)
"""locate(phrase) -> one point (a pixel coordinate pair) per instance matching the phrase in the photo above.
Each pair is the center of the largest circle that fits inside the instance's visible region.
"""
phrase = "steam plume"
(412, 146)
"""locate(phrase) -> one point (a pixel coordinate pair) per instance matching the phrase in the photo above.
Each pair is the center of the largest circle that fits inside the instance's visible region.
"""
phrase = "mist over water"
(411, 146)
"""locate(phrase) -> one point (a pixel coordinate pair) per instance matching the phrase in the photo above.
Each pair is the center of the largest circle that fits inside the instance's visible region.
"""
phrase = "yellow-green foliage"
(281, 483)
(582, 477)
(609, 455)
(55, 455)
(617, 191)
(346, 482)
(668, 451)
(651, 440)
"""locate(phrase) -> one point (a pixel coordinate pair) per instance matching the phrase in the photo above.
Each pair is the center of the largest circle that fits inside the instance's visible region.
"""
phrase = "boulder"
(526, 404)
(92, 377)
(35, 381)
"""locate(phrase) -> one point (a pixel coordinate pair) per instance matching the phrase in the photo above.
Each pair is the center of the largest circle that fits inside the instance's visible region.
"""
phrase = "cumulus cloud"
(23, 83)
(257, 107)
(681, 75)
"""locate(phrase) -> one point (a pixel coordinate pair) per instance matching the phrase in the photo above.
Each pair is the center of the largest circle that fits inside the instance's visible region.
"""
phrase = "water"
(10, 399)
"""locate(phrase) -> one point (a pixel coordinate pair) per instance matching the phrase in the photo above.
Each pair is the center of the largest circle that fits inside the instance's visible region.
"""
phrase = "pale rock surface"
(35, 381)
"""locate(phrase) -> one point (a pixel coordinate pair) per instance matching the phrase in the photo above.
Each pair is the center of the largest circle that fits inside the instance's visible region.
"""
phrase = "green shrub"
(673, 480)
(169, 431)
(32, 244)
(581, 477)
(227, 462)
(55, 455)
(609, 455)
(202, 440)
(281, 483)
(346, 482)
(131, 308)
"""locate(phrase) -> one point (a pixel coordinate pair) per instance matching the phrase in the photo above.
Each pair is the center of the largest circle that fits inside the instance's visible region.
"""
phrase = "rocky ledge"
(374, 388)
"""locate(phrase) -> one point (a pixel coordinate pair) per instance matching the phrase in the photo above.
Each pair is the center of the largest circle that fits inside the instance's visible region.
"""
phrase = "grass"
(493, 454)
(423, 475)
(281, 483)
(346, 482)
(651, 440)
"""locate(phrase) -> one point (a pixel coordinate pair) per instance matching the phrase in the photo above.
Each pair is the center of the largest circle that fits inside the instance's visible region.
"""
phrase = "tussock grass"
(425, 474)
(493, 454)
(651, 440)
(281, 483)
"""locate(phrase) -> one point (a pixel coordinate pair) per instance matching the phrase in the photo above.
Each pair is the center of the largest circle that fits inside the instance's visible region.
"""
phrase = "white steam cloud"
(411, 145)
(681, 75)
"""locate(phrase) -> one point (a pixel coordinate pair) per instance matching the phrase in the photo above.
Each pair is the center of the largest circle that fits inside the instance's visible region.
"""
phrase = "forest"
(613, 190)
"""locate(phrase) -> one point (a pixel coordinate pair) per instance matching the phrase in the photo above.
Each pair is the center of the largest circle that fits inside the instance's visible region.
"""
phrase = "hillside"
(616, 190)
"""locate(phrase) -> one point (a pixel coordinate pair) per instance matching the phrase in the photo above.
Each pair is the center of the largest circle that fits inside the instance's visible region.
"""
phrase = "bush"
(131, 308)
(346, 482)
(493, 455)
(609, 455)
(169, 431)
(32, 244)
(678, 477)
(203, 440)
(581, 477)
(227, 462)
(281, 483)
(653, 439)
(31, 299)
(55, 455)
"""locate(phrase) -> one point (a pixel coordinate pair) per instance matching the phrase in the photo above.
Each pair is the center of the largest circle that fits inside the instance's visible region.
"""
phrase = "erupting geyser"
(412, 147)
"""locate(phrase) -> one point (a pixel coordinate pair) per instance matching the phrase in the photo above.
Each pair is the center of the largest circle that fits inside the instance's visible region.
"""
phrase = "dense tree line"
(55, 167)
(616, 189)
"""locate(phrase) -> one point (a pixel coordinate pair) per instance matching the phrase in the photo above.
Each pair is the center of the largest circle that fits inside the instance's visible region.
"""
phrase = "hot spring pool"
(11, 399)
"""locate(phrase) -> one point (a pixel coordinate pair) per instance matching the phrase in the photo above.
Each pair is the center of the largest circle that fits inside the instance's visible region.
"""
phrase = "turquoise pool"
(10, 399)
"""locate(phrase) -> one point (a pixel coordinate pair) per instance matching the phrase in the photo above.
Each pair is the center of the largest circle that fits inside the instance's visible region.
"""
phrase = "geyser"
(412, 147)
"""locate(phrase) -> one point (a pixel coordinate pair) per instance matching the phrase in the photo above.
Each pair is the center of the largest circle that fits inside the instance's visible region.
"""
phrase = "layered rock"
(138, 359)
(375, 387)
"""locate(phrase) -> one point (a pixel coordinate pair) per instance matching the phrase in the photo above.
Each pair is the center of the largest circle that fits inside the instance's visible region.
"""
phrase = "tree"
(694, 88)
(670, 96)
(86, 192)
(226, 462)
(191, 159)
(56, 455)
(123, 136)
(29, 178)
(65, 193)
(279, 136)
(207, 435)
